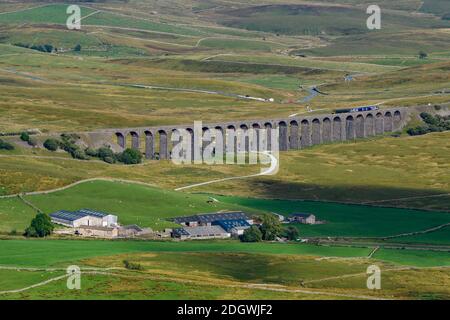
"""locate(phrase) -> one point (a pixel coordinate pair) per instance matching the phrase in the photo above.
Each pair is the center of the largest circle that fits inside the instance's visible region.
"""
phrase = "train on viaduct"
(294, 132)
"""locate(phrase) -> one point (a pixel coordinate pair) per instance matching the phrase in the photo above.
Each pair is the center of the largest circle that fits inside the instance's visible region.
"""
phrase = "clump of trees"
(51, 144)
(291, 233)
(423, 55)
(432, 123)
(132, 265)
(48, 48)
(68, 144)
(41, 226)
(25, 136)
(6, 145)
(252, 234)
(269, 229)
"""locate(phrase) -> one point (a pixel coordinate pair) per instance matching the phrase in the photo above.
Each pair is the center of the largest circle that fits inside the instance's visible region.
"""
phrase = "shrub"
(77, 153)
(271, 227)
(51, 144)
(110, 160)
(433, 124)
(131, 265)
(252, 234)
(105, 152)
(32, 142)
(130, 156)
(41, 226)
(291, 233)
(6, 145)
(24, 136)
(91, 152)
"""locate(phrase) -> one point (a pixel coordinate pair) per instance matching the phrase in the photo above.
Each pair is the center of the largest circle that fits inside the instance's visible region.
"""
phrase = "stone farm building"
(83, 217)
(304, 218)
(200, 232)
(90, 223)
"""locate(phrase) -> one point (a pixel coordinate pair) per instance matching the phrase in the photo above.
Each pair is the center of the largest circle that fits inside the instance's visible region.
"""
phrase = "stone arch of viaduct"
(294, 133)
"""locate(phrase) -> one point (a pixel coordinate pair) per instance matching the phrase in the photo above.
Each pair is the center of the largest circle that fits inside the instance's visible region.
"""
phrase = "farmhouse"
(305, 218)
(200, 232)
(111, 232)
(83, 217)
(96, 231)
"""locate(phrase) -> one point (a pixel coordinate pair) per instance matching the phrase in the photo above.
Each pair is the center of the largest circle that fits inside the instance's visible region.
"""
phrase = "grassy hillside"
(134, 204)
(408, 172)
(350, 220)
(181, 270)
(151, 207)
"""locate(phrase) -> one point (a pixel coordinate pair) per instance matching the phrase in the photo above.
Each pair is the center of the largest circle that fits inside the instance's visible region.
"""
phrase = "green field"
(134, 204)
(212, 270)
(350, 220)
(41, 253)
(151, 207)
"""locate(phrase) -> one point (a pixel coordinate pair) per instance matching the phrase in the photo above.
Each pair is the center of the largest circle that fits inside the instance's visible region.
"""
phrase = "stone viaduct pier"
(294, 132)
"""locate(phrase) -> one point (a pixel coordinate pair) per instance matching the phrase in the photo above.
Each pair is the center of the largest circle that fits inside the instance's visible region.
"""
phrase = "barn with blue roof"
(236, 227)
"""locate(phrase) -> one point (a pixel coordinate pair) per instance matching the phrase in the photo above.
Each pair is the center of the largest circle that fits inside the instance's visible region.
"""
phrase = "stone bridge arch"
(149, 144)
(294, 135)
(283, 138)
(163, 144)
(388, 123)
(268, 143)
(316, 135)
(121, 140)
(379, 123)
(349, 128)
(370, 125)
(397, 120)
(337, 129)
(305, 139)
(326, 130)
(360, 127)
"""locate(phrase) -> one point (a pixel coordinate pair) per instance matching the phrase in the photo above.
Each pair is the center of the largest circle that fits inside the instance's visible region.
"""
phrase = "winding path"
(269, 171)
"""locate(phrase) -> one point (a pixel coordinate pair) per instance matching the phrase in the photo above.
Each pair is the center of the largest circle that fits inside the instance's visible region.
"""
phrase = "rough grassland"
(393, 168)
(41, 253)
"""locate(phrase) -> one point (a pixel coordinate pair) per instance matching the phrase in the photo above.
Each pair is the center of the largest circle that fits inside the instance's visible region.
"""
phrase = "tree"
(271, 227)
(41, 226)
(104, 153)
(51, 144)
(423, 55)
(24, 136)
(6, 145)
(77, 48)
(32, 142)
(130, 156)
(252, 234)
(291, 233)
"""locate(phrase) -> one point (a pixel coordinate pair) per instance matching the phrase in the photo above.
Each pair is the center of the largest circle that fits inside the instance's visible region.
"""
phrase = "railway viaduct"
(294, 132)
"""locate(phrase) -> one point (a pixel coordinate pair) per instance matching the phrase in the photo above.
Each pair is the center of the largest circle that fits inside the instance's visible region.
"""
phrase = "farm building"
(200, 232)
(209, 218)
(111, 232)
(83, 217)
(97, 231)
(235, 227)
(305, 218)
